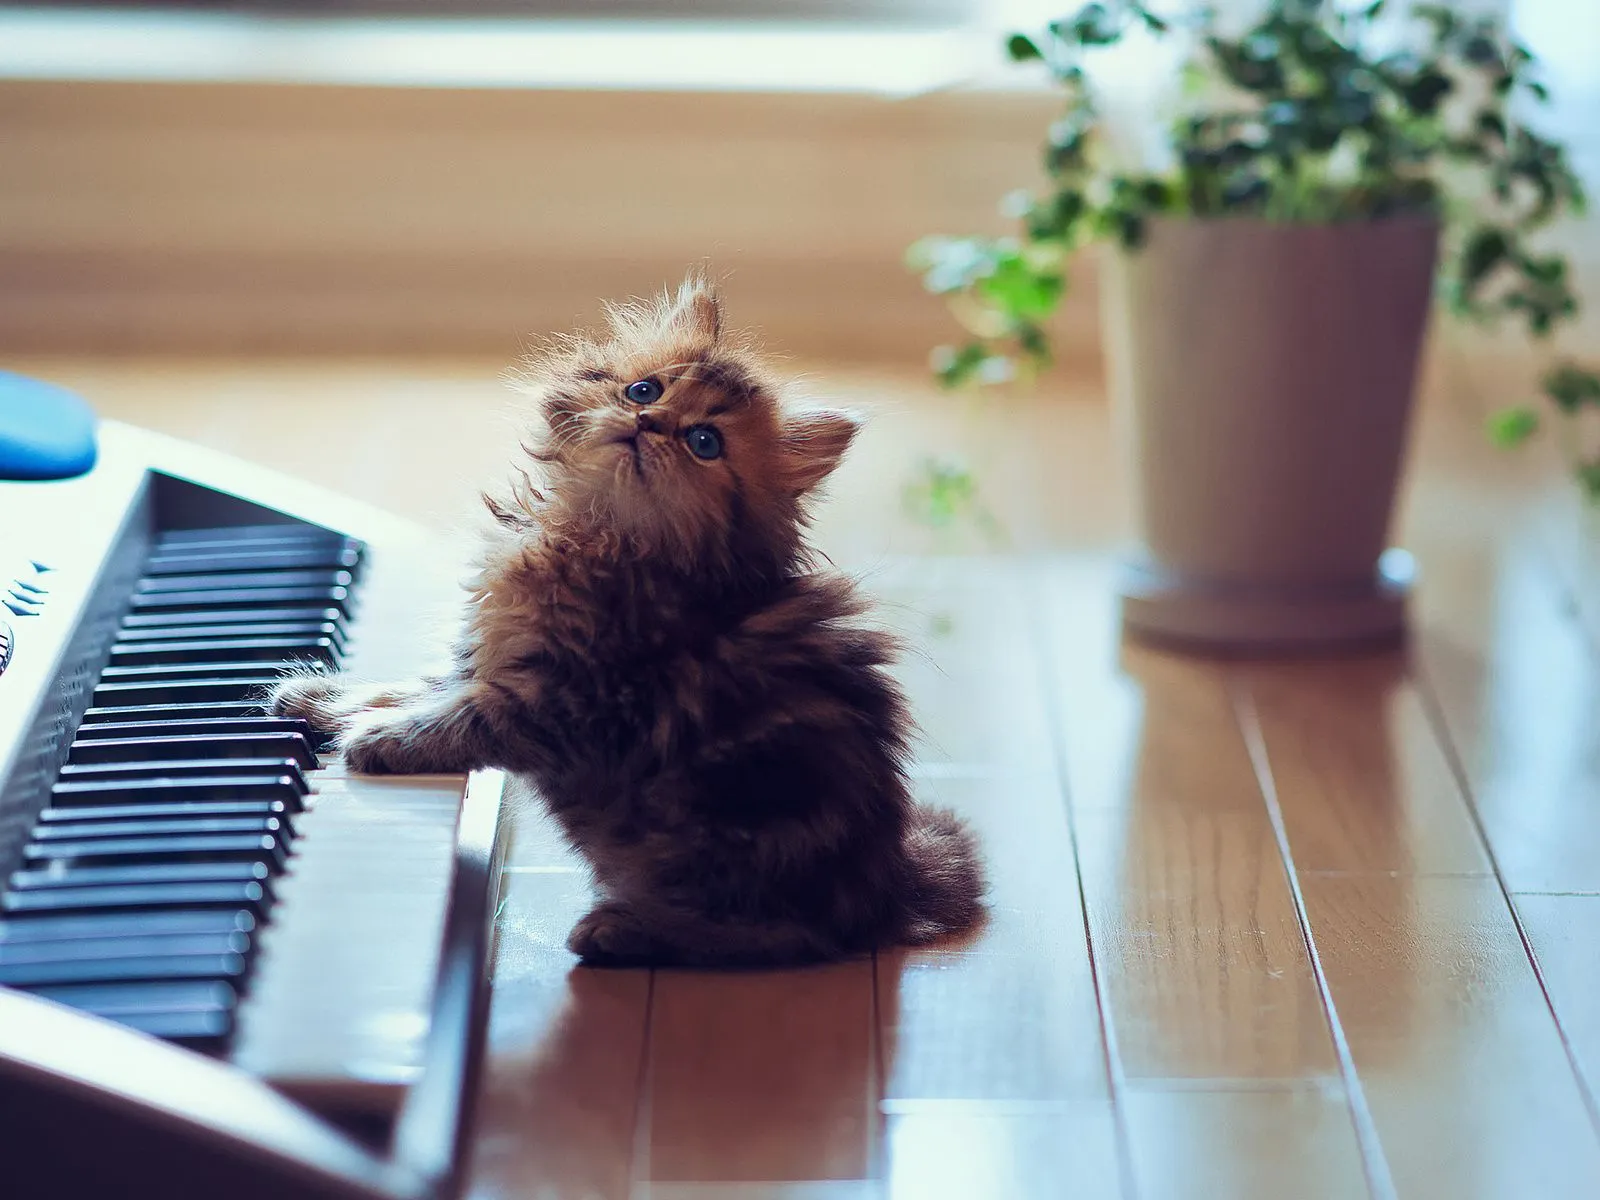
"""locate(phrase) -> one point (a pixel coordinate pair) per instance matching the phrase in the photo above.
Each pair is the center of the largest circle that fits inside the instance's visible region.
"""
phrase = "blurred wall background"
(375, 176)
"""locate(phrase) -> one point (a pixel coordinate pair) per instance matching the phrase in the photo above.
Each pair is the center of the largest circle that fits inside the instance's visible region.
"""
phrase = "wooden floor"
(1287, 930)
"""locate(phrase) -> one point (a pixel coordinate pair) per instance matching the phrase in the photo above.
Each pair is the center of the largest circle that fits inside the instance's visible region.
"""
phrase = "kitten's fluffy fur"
(699, 706)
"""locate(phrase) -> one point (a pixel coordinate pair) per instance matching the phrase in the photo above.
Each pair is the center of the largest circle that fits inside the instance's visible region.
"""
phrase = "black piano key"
(242, 630)
(255, 768)
(155, 827)
(130, 999)
(249, 535)
(243, 598)
(165, 945)
(231, 616)
(138, 896)
(196, 1030)
(233, 743)
(211, 560)
(145, 693)
(216, 672)
(19, 930)
(156, 584)
(189, 716)
(71, 793)
(227, 965)
(230, 650)
(220, 847)
(235, 872)
(213, 808)
(226, 728)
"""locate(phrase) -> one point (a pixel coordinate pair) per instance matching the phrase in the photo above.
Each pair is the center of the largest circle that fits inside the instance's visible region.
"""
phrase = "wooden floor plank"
(1217, 1020)
(557, 1109)
(1198, 944)
(762, 1076)
(963, 1153)
(1360, 776)
(1561, 931)
(1244, 1145)
(1519, 707)
(1462, 1066)
(969, 663)
(1010, 1014)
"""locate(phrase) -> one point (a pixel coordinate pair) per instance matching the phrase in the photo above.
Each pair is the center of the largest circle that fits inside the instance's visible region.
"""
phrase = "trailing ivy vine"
(1297, 118)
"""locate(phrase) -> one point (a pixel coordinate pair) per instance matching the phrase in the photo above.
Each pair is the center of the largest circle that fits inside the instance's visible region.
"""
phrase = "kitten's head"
(670, 435)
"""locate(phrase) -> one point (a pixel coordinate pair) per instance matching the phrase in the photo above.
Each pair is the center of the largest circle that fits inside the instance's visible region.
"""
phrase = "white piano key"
(338, 1009)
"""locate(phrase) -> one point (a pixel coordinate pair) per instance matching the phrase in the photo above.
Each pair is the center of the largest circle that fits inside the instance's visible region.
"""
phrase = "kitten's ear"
(813, 444)
(698, 308)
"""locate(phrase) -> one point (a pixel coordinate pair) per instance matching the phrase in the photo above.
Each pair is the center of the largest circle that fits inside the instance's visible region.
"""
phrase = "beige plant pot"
(1263, 378)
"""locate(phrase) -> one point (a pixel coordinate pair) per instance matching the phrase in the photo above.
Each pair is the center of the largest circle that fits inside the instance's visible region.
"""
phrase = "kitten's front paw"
(611, 936)
(399, 742)
(311, 698)
(376, 747)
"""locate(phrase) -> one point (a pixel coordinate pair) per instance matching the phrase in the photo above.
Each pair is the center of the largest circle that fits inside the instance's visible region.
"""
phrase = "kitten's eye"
(704, 442)
(644, 391)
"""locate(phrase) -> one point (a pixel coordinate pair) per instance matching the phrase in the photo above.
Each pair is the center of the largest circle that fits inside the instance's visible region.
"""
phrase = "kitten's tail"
(947, 878)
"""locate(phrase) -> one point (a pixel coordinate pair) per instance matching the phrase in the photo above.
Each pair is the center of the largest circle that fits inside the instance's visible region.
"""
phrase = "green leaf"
(1481, 51)
(1022, 48)
(1092, 25)
(1539, 91)
(1374, 10)
(1512, 426)
(1444, 21)
(1020, 291)
(1057, 217)
(956, 367)
(1485, 250)
(1152, 22)
(1571, 387)
(1589, 479)
(941, 492)
(1244, 69)
(1492, 123)
(1426, 91)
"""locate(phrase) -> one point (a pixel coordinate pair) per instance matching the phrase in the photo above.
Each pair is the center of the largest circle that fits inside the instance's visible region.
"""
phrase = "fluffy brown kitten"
(649, 642)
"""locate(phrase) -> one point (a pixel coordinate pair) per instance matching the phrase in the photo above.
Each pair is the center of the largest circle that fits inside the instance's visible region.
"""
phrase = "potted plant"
(1266, 288)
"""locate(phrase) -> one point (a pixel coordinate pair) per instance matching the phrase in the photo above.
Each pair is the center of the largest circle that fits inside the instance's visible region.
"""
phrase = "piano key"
(179, 768)
(58, 876)
(113, 970)
(255, 748)
(211, 787)
(197, 1030)
(248, 535)
(232, 941)
(148, 827)
(138, 896)
(190, 716)
(177, 731)
(238, 741)
(140, 694)
(219, 847)
(215, 808)
(219, 672)
(232, 616)
(157, 584)
(241, 598)
(230, 650)
(197, 559)
(238, 631)
(129, 999)
(34, 929)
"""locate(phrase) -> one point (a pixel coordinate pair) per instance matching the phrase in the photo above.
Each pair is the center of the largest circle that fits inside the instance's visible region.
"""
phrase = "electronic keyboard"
(228, 967)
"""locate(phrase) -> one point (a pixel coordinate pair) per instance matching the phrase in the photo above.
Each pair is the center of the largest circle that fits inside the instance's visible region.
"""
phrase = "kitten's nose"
(647, 422)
